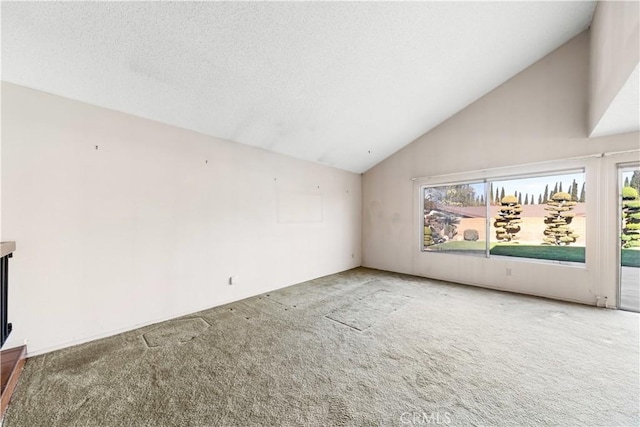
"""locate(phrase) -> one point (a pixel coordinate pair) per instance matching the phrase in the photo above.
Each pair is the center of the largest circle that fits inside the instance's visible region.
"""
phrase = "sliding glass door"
(629, 242)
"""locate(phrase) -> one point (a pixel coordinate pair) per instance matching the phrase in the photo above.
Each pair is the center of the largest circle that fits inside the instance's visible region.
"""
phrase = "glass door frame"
(621, 168)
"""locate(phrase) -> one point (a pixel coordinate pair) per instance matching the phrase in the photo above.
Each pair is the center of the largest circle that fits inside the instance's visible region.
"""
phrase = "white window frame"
(488, 176)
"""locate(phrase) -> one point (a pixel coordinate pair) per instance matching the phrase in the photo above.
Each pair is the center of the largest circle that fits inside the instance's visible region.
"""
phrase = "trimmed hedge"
(508, 218)
(631, 218)
(557, 220)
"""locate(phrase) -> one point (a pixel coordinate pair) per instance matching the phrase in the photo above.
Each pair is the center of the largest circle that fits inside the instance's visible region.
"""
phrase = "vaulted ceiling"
(342, 84)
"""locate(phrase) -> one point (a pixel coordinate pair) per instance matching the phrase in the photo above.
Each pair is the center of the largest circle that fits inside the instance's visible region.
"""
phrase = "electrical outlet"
(233, 280)
(508, 272)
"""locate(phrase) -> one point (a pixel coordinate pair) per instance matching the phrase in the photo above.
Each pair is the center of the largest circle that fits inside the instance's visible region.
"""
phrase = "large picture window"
(541, 217)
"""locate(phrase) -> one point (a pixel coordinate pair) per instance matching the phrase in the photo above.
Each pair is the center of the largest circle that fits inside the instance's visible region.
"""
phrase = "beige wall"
(615, 52)
(144, 229)
(532, 123)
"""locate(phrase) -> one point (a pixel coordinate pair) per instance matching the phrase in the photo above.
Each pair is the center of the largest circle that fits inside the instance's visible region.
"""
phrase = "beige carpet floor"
(359, 348)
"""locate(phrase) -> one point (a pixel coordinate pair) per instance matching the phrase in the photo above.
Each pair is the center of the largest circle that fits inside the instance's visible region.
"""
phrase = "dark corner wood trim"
(11, 362)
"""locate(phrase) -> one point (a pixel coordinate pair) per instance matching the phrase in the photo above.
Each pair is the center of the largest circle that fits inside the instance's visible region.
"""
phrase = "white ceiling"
(342, 84)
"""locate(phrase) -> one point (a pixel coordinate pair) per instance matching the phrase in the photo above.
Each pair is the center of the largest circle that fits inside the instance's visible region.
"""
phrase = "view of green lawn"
(460, 245)
(630, 258)
(549, 252)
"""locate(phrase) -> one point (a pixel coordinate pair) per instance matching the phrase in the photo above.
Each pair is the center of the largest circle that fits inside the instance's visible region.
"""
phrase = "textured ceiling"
(343, 84)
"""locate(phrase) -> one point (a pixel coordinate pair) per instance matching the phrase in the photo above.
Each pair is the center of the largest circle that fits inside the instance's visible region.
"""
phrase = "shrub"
(508, 218)
(629, 193)
(630, 218)
(428, 238)
(443, 226)
(558, 218)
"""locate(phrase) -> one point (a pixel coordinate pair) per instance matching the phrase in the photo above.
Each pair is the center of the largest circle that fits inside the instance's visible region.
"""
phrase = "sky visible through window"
(531, 186)
(627, 175)
(536, 185)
